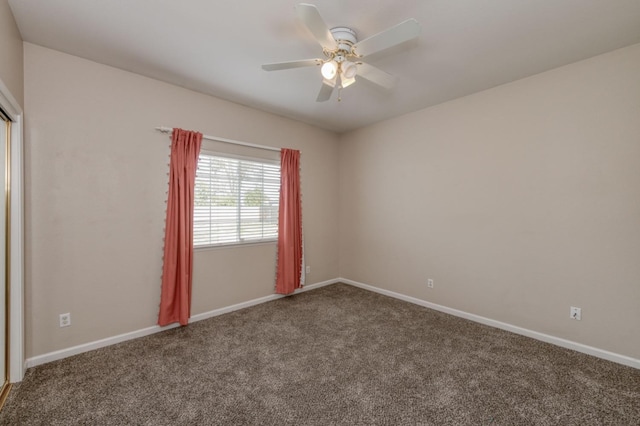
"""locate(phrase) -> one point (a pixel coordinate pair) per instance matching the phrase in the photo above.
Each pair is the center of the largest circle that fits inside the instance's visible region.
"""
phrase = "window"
(236, 200)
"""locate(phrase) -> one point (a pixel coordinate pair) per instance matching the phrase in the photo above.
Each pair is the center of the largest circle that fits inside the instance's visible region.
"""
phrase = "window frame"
(213, 246)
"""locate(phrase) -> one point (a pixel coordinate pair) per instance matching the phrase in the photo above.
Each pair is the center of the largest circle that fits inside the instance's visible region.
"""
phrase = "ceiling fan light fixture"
(346, 81)
(331, 82)
(329, 70)
(349, 69)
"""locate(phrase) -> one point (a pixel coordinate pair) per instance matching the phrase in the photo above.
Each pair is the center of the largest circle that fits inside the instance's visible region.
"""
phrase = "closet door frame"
(15, 234)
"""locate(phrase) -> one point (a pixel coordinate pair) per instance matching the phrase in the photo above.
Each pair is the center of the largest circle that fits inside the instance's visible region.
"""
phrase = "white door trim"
(16, 232)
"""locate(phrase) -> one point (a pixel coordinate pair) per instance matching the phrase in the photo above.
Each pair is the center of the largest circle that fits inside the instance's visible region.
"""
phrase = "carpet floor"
(337, 355)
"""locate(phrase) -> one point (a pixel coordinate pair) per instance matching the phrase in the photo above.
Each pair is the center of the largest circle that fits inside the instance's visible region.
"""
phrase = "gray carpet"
(335, 355)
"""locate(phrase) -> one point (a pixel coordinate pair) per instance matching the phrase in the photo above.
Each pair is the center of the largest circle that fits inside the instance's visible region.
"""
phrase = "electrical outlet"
(430, 283)
(575, 313)
(308, 269)
(65, 320)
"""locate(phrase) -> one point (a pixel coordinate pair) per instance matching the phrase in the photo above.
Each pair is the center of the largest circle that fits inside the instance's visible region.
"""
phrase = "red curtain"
(289, 224)
(175, 300)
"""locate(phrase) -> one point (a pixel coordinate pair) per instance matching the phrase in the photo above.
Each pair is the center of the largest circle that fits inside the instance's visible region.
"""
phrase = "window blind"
(236, 200)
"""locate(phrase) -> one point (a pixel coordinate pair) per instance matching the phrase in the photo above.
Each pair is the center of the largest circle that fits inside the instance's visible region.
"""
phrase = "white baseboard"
(600, 353)
(86, 347)
(269, 298)
(75, 350)
(579, 347)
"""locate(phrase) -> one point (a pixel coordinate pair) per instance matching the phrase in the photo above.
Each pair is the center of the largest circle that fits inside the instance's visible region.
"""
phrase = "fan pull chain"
(339, 93)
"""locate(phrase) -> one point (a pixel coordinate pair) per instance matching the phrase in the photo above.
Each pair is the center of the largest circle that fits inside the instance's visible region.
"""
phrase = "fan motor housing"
(345, 37)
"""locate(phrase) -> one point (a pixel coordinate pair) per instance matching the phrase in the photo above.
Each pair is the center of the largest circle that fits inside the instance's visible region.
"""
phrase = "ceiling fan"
(344, 53)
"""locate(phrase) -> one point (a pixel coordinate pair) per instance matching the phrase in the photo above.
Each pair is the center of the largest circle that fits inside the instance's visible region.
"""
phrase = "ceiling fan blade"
(395, 35)
(376, 76)
(310, 17)
(326, 90)
(291, 64)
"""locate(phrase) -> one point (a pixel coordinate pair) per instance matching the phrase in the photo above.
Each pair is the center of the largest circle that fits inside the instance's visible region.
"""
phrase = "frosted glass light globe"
(329, 70)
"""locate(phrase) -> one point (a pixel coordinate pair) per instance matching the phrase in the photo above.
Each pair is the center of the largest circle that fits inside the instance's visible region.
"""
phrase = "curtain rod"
(217, 139)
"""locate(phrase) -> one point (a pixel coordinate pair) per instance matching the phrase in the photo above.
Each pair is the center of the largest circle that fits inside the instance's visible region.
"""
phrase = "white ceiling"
(217, 47)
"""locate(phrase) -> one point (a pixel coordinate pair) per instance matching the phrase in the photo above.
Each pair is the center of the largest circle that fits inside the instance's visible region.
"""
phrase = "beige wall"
(519, 201)
(96, 181)
(11, 68)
